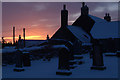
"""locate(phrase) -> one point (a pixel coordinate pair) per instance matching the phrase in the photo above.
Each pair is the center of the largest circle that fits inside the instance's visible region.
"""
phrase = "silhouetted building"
(73, 32)
(107, 34)
(84, 21)
(87, 28)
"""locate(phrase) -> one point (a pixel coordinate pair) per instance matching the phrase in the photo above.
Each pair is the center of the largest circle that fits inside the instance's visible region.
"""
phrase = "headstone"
(19, 62)
(77, 51)
(97, 57)
(63, 67)
(26, 59)
(77, 47)
(78, 59)
(69, 45)
(72, 64)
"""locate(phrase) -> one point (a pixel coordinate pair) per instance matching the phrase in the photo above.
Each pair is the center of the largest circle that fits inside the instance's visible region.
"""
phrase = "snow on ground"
(45, 69)
(8, 50)
(110, 54)
(12, 49)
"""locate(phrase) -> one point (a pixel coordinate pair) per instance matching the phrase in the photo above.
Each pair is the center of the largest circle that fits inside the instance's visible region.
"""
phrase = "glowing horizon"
(10, 39)
(41, 19)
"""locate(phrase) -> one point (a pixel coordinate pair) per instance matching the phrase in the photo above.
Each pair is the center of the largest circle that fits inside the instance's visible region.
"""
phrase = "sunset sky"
(42, 18)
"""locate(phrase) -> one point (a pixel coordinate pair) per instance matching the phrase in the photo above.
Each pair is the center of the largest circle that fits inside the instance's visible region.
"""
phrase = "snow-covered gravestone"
(69, 45)
(77, 46)
(63, 67)
(77, 51)
(98, 63)
(26, 59)
(19, 62)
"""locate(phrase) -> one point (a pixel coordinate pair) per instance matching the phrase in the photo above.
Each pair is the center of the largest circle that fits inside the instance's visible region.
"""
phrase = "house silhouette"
(87, 27)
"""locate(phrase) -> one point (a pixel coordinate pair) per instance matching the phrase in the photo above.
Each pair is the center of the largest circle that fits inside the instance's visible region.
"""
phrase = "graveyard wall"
(110, 45)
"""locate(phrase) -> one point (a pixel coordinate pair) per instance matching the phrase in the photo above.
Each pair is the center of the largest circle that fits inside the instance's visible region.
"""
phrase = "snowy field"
(45, 69)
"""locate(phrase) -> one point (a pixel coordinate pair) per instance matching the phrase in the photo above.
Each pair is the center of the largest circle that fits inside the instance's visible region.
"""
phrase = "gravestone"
(26, 59)
(78, 59)
(63, 67)
(69, 45)
(77, 51)
(98, 63)
(19, 62)
(71, 54)
(77, 46)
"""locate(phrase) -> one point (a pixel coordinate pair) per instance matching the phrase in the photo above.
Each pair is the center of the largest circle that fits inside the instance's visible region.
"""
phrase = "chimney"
(107, 17)
(83, 4)
(64, 17)
(13, 35)
(64, 7)
(24, 36)
(84, 9)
